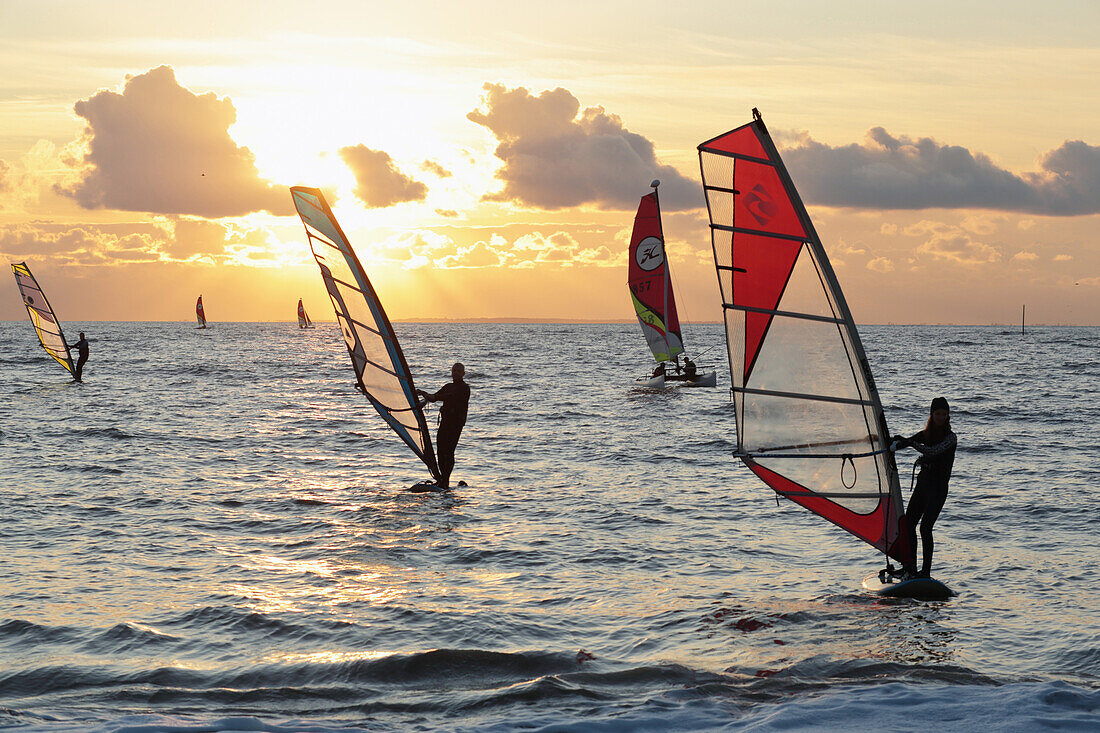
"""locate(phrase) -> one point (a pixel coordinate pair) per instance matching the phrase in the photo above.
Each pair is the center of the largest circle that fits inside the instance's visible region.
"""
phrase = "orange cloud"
(158, 147)
(378, 181)
(556, 156)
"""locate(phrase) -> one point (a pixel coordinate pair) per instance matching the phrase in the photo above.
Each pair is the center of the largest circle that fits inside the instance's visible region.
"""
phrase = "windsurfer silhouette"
(82, 349)
(452, 417)
(936, 444)
(689, 368)
(659, 371)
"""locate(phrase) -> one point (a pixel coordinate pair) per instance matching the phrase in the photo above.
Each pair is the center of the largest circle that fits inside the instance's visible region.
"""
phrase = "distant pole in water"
(1023, 314)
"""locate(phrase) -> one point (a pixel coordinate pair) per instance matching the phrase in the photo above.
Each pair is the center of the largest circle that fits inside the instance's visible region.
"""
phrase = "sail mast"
(668, 265)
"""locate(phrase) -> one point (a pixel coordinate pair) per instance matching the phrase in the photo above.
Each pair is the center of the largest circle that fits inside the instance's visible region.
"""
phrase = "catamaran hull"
(703, 379)
(926, 589)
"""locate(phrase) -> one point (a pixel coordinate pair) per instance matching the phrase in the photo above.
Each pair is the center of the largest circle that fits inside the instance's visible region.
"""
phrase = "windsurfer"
(936, 444)
(82, 349)
(452, 417)
(689, 368)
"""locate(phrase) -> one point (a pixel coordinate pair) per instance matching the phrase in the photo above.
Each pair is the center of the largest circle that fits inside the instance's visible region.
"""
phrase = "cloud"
(887, 172)
(436, 169)
(158, 147)
(5, 184)
(449, 213)
(84, 244)
(556, 155)
(378, 181)
(1063, 258)
(954, 244)
(880, 264)
(1025, 257)
(426, 248)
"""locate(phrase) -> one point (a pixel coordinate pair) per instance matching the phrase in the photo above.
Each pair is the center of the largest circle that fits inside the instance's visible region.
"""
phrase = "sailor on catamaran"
(936, 444)
(452, 417)
(82, 349)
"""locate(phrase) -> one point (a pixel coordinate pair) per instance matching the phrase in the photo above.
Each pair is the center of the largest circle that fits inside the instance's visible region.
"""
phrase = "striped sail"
(809, 420)
(42, 316)
(381, 371)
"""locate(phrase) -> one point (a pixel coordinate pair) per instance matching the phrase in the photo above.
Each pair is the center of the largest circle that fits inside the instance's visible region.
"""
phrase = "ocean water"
(211, 533)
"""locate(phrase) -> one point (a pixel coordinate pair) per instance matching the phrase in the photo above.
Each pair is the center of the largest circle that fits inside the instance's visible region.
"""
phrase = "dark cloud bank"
(556, 156)
(378, 181)
(157, 147)
(888, 172)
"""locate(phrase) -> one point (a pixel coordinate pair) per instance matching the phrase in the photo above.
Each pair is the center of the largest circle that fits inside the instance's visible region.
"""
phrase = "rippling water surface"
(211, 533)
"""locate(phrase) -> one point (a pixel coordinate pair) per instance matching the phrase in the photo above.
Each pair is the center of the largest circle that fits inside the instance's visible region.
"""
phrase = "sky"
(486, 158)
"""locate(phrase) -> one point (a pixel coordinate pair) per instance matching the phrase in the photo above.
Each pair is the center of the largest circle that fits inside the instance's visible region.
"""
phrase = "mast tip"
(655, 182)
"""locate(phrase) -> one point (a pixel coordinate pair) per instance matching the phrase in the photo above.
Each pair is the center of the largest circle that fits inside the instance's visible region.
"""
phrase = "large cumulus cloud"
(556, 155)
(158, 147)
(378, 181)
(888, 172)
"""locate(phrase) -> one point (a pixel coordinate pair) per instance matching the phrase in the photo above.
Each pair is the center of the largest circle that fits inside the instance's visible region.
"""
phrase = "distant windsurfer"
(936, 444)
(81, 347)
(452, 417)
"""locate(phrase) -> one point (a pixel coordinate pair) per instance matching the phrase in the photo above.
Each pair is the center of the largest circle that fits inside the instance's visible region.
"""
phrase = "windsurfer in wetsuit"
(82, 349)
(452, 417)
(936, 444)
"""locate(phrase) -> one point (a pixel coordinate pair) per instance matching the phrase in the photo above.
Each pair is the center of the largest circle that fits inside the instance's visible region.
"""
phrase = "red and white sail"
(200, 314)
(809, 420)
(650, 283)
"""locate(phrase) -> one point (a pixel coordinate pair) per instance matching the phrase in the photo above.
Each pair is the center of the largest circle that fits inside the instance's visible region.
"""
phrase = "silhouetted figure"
(659, 371)
(82, 349)
(452, 417)
(689, 368)
(936, 444)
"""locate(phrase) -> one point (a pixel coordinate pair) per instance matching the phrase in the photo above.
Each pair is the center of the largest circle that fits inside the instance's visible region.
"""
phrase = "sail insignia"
(649, 281)
(809, 420)
(42, 316)
(381, 372)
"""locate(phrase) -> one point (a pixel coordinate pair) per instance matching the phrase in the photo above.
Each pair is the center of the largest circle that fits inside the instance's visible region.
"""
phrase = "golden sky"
(486, 158)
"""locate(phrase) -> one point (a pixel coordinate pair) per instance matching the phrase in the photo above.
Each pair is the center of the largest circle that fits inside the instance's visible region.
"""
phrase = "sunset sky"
(487, 157)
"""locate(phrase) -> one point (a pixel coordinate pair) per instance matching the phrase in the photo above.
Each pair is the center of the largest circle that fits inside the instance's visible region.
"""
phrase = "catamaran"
(810, 423)
(303, 317)
(650, 283)
(200, 314)
(42, 317)
(381, 372)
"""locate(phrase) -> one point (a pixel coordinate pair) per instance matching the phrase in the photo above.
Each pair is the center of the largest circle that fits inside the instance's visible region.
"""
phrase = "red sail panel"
(200, 314)
(873, 528)
(742, 141)
(763, 265)
(649, 282)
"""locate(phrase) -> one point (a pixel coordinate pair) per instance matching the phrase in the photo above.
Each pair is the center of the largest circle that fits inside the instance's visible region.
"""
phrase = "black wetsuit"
(931, 492)
(82, 349)
(452, 418)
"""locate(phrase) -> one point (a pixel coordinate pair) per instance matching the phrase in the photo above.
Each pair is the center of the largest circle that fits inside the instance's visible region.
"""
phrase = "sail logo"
(650, 253)
(761, 205)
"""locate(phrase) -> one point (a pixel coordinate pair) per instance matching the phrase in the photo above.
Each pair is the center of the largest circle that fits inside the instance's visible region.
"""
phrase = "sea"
(212, 533)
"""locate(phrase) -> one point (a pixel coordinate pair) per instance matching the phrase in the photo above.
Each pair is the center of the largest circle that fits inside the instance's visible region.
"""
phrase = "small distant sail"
(809, 420)
(303, 317)
(42, 316)
(200, 314)
(650, 284)
(381, 372)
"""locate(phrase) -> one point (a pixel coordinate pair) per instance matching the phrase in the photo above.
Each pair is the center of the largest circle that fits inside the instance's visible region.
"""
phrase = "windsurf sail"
(303, 318)
(200, 314)
(649, 280)
(42, 316)
(809, 420)
(381, 372)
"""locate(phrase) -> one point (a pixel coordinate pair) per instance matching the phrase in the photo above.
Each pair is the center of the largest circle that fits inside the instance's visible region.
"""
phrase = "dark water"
(210, 533)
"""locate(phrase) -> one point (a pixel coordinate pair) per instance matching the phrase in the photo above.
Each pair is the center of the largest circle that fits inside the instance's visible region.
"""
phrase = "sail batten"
(46, 325)
(381, 371)
(809, 420)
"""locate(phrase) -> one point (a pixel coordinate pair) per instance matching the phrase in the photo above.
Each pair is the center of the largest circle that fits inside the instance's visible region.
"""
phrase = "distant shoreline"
(593, 322)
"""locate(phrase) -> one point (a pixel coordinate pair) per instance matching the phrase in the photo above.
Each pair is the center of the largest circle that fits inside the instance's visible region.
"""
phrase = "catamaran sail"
(648, 279)
(303, 319)
(809, 420)
(42, 316)
(381, 371)
(200, 314)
